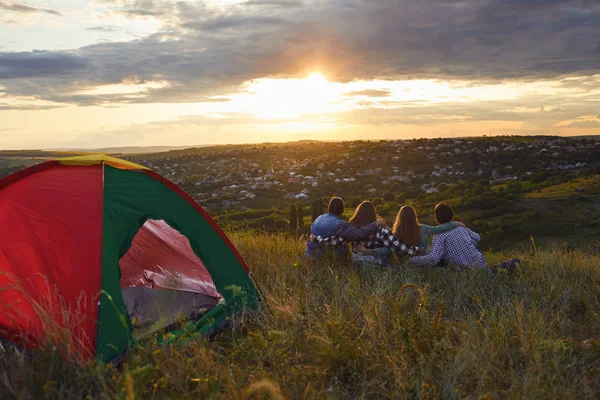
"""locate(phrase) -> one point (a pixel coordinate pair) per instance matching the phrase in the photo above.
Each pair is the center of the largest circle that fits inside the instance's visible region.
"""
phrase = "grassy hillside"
(334, 331)
(589, 185)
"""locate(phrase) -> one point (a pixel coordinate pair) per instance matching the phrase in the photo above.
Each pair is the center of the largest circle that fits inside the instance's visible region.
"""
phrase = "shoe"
(509, 265)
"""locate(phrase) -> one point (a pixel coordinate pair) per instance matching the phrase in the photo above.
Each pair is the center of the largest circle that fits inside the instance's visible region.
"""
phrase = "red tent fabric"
(162, 258)
(51, 270)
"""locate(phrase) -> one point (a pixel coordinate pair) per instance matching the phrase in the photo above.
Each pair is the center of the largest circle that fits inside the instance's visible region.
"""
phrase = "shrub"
(377, 201)
(388, 196)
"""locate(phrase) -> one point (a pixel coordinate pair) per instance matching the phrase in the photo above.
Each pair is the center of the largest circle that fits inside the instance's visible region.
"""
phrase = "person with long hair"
(331, 224)
(376, 248)
(408, 229)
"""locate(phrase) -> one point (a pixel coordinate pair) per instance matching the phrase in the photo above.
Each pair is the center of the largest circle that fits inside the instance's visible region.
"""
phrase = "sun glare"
(269, 98)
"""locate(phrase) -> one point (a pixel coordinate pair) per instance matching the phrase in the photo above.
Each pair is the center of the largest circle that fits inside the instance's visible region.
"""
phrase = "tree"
(388, 196)
(300, 219)
(354, 202)
(516, 187)
(293, 220)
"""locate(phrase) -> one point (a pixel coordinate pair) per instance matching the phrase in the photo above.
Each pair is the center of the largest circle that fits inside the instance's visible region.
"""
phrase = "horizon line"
(182, 147)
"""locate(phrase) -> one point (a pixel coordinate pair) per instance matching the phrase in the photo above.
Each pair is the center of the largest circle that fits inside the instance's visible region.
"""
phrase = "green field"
(334, 331)
(588, 185)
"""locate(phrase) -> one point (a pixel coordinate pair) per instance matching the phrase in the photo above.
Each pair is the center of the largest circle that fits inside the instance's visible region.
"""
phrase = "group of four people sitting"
(374, 243)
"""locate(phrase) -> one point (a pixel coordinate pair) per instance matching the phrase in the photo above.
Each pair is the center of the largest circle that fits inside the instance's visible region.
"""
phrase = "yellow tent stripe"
(93, 159)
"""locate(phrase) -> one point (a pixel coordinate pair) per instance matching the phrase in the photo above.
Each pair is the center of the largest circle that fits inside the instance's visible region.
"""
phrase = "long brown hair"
(407, 228)
(364, 214)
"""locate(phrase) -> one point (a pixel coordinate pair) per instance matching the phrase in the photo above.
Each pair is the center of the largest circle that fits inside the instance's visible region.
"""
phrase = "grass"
(335, 331)
(589, 185)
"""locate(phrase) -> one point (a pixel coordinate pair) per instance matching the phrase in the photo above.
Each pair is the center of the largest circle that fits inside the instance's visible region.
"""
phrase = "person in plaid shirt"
(330, 225)
(457, 247)
(377, 247)
(409, 230)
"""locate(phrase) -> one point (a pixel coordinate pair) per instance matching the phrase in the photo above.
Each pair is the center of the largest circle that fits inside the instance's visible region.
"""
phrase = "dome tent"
(86, 241)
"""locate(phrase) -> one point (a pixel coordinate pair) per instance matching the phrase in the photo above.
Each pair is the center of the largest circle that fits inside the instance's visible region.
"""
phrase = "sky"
(107, 73)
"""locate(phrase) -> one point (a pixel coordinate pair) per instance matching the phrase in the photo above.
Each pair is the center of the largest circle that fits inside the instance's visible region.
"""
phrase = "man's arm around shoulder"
(351, 233)
(436, 254)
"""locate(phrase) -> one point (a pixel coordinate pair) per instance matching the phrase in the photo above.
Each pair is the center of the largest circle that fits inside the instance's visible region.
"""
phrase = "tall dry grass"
(336, 331)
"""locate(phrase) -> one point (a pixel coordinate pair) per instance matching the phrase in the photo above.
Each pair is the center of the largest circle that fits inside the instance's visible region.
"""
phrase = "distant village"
(269, 175)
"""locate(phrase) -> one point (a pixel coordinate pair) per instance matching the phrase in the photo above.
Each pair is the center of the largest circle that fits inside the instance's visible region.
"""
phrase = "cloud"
(369, 93)
(582, 121)
(26, 9)
(136, 12)
(28, 107)
(37, 64)
(274, 3)
(584, 124)
(140, 8)
(233, 22)
(204, 51)
(106, 28)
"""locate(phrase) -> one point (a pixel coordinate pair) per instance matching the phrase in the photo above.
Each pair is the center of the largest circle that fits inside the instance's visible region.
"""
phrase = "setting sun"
(94, 74)
(270, 98)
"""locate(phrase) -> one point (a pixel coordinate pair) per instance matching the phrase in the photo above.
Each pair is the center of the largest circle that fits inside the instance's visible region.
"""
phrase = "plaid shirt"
(350, 232)
(458, 247)
(382, 238)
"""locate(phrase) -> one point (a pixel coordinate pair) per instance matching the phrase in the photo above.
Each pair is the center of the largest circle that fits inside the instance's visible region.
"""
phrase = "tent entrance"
(163, 281)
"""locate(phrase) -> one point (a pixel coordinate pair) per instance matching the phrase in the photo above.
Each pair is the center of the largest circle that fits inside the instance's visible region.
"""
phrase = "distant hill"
(105, 150)
(591, 137)
(26, 158)
(139, 149)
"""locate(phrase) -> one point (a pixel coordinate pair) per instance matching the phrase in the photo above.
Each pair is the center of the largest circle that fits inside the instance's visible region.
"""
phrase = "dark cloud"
(233, 22)
(26, 9)
(29, 107)
(139, 8)
(204, 51)
(136, 12)
(274, 3)
(37, 64)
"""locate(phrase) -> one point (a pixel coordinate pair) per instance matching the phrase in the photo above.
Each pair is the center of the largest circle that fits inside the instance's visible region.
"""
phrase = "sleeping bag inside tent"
(95, 250)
